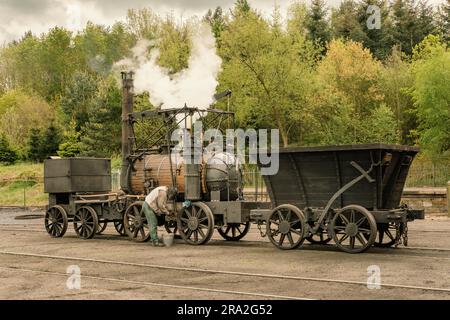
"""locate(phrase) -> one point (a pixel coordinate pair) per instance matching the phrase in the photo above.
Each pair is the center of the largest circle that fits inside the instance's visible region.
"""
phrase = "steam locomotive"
(312, 196)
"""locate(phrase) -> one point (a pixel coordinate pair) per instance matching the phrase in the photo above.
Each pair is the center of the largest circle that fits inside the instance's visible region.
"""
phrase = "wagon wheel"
(171, 226)
(118, 225)
(286, 227)
(234, 231)
(135, 223)
(56, 221)
(388, 234)
(85, 222)
(102, 226)
(196, 224)
(354, 229)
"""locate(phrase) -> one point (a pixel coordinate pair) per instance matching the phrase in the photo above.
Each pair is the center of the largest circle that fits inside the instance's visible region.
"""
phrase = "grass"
(21, 184)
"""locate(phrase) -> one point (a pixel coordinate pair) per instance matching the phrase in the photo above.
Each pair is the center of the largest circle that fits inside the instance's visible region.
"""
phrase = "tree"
(174, 45)
(379, 40)
(412, 23)
(346, 93)
(269, 90)
(444, 20)
(77, 98)
(317, 23)
(431, 94)
(101, 135)
(50, 141)
(7, 154)
(70, 147)
(34, 152)
(57, 61)
(345, 22)
(350, 70)
(142, 24)
(217, 22)
(22, 112)
(395, 80)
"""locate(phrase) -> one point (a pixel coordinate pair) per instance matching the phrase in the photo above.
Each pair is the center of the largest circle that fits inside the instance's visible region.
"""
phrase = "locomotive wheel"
(354, 229)
(234, 231)
(102, 226)
(85, 222)
(118, 225)
(196, 224)
(56, 221)
(388, 234)
(286, 227)
(135, 223)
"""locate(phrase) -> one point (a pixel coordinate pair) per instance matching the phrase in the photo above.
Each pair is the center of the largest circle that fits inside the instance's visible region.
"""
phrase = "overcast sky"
(18, 16)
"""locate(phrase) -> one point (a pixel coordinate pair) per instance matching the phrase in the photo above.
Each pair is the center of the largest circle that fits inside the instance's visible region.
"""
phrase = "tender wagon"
(350, 194)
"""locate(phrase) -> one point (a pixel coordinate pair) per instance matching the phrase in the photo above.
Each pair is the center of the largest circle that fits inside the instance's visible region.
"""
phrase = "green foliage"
(71, 146)
(43, 144)
(317, 23)
(269, 91)
(78, 95)
(324, 79)
(101, 135)
(20, 113)
(431, 94)
(7, 154)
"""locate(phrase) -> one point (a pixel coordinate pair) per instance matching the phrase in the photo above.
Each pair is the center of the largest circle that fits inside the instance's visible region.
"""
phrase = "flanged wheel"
(135, 223)
(286, 227)
(102, 226)
(234, 231)
(388, 234)
(85, 222)
(196, 224)
(354, 229)
(118, 225)
(56, 221)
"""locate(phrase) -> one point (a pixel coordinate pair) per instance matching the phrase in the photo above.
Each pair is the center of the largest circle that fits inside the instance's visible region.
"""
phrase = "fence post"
(448, 198)
(25, 193)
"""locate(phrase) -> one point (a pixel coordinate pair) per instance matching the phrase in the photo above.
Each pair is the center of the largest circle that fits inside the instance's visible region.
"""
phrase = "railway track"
(220, 272)
(409, 248)
(158, 284)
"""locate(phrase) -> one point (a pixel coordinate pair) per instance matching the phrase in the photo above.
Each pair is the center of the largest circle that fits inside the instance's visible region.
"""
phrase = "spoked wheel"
(102, 226)
(286, 227)
(354, 229)
(56, 221)
(171, 226)
(85, 222)
(388, 234)
(118, 225)
(234, 231)
(135, 223)
(196, 224)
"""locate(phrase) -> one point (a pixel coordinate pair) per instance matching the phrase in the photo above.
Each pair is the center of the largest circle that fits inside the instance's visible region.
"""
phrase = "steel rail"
(157, 284)
(234, 273)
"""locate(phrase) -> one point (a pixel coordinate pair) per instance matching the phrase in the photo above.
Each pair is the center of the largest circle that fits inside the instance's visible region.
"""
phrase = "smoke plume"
(194, 86)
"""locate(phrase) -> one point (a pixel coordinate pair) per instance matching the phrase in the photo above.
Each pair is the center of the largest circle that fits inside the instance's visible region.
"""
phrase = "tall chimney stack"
(127, 108)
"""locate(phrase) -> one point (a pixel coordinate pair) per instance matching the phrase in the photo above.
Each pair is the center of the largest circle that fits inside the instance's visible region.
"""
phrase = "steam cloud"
(194, 86)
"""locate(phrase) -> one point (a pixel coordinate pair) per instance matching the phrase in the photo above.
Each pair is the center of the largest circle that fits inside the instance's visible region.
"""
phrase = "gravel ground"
(252, 255)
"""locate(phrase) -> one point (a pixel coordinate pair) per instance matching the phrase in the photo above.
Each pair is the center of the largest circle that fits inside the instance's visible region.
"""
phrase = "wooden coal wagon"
(350, 194)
